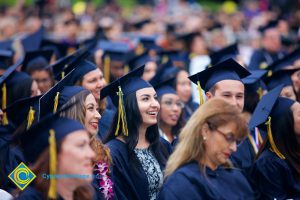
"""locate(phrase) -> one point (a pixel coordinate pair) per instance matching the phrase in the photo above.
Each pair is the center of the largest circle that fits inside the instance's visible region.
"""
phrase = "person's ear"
(209, 95)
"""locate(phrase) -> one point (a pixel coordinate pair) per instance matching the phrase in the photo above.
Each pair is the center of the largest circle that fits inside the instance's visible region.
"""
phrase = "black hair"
(251, 101)
(286, 141)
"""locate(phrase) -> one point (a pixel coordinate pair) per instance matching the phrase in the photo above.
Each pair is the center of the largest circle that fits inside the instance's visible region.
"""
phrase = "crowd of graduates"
(170, 101)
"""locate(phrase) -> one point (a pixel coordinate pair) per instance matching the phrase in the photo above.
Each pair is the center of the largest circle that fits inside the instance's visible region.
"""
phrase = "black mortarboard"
(33, 41)
(5, 58)
(129, 83)
(286, 61)
(23, 109)
(230, 51)
(226, 70)
(48, 103)
(165, 87)
(140, 60)
(280, 77)
(269, 25)
(35, 140)
(165, 71)
(82, 67)
(268, 111)
(253, 82)
(32, 57)
(6, 44)
(139, 24)
(149, 42)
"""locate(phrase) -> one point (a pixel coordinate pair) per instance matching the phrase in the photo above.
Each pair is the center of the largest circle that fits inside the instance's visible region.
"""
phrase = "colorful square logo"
(22, 176)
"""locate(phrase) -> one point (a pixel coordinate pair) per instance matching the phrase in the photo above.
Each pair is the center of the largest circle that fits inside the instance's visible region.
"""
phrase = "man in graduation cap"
(271, 47)
(223, 80)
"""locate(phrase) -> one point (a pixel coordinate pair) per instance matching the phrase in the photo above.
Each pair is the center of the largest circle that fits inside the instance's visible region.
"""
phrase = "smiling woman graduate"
(137, 152)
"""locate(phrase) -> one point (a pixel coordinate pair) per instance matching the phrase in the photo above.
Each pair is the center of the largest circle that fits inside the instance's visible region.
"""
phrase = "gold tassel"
(259, 92)
(139, 49)
(5, 120)
(62, 75)
(270, 73)
(270, 137)
(192, 55)
(165, 59)
(200, 93)
(107, 68)
(121, 115)
(259, 137)
(126, 69)
(55, 102)
(52, 165)
(30, 117)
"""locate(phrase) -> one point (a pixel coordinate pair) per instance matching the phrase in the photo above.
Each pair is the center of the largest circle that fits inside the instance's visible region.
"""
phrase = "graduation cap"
(269, 109)
(230, 51)
(49, 132)
(64, 65)
(120, 52)
(149, 42)
(9, 77)
(226, 70)
(50, 101)
(269, 25)
(5, 58)
(140, 60)
(6, 44)
(165, 87)
(280, 77)
(175, 56)
(165, 72)
(139, 24)
(23, 109)
(42, 57)
(285, 61)
(33, 41)
(60, 49)
(120, 89)
(82, 67)
(253, 83)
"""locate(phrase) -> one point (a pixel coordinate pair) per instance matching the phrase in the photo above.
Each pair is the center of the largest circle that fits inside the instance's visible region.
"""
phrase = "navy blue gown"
(130, 182)
(105, 122)
(274, 178)
(188, 182)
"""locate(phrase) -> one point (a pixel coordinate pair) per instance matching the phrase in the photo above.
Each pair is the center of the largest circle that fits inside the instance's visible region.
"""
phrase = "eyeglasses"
(228, 137)
(170, 104)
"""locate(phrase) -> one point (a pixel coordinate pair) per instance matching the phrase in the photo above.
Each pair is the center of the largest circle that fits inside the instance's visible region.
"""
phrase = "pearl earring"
(204, 138)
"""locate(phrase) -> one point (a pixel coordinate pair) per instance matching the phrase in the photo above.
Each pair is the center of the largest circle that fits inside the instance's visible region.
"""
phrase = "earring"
(204, 138)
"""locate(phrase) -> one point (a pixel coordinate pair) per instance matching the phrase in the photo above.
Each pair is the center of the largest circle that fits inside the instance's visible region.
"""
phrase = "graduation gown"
(129, 182)
(273, 178)
(189, 109)
(10, 158)
(30, 193)
(188, 182)
(260, 59)
(105, 122)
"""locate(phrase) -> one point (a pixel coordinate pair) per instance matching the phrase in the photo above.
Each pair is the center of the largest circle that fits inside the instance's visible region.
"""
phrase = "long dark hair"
(134, 120)
(286, 141)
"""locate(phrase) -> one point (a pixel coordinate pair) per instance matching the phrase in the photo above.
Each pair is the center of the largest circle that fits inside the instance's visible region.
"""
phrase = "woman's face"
(43, 79)
(219, 144)
(288, 92)
(296, 114)
(170, 109)
(94, 82)
(149, 71)
(76, 157)
(92, 115)
(35, 91)
(183, 86)
(148, 105)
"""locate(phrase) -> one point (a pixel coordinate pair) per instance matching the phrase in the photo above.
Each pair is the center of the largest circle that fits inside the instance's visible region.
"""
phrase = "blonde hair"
(191, 147)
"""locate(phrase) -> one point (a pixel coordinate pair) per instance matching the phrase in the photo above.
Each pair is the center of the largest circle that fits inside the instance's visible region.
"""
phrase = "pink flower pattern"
(105, 184)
